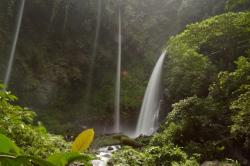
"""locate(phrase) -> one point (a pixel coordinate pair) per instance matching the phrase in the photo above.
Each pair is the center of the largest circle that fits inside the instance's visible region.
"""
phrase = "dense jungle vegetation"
(205, 112)
(54, 55)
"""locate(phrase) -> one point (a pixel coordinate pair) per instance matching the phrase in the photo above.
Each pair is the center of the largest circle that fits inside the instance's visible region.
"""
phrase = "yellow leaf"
(83, 141)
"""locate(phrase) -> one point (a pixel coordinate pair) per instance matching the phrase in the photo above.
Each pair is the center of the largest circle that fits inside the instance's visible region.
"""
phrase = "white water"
(93, 57)
(148, 118)
(118, 78)
(104, 154)
(13, 49)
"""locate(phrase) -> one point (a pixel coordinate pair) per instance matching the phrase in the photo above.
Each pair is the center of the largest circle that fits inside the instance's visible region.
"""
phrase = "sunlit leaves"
(83, 141)
(196, 55)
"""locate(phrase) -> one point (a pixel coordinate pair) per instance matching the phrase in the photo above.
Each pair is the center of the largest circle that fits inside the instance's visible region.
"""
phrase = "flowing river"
(104, 155)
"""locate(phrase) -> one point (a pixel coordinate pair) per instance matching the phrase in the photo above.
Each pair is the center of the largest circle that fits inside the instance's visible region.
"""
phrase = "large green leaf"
(34, 161)
(10, 160)
(7, 146)
(23, 160)
(63, 159)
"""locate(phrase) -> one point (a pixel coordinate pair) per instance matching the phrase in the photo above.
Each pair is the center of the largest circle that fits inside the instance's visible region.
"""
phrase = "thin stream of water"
(14, 44)
(118, 76)
(93, 57)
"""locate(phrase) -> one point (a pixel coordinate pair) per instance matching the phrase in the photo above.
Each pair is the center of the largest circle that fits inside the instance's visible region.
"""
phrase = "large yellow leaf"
(83, 141)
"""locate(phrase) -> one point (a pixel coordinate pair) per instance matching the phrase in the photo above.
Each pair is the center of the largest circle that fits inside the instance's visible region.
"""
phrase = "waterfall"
(148, 118)
(93, 57)
(118, 77)
(13, 49)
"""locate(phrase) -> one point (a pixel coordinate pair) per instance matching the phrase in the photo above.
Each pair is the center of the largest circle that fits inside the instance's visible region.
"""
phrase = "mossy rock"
(125, 140)
(104, 140)
(114, 139)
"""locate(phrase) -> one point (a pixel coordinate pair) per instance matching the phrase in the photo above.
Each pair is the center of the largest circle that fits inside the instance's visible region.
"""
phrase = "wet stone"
(110, 148)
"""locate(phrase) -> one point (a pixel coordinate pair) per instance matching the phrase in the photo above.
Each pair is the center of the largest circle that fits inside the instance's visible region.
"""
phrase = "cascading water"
(13, 49)
(148, 118)
(93, 57)
(118, 76)
(104, 155)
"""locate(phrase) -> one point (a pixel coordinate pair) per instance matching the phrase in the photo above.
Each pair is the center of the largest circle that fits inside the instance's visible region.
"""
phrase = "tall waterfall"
(13, 49)
(148, 118)
(118, 76)
(93, 57)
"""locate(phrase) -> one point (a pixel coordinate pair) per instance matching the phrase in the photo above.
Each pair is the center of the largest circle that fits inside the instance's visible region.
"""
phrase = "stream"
(104, 155)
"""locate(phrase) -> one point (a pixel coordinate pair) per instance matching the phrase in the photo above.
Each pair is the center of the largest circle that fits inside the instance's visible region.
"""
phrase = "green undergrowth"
(207, 78)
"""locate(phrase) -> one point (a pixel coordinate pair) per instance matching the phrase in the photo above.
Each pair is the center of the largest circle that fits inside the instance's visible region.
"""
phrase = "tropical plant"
(18, 124)
(83, 141)
(11, 155)
(216, 125)
(170, 155)
(128, 156)
(195, 57)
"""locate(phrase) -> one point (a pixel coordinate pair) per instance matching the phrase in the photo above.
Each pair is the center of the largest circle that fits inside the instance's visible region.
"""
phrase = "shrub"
(128, 156)
(18, 124)
(170, 155)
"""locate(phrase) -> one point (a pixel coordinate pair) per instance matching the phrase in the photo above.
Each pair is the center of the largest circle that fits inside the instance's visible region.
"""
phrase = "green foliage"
(53, 60)
(241, 107)
(229, 84)
(17, 123)
(22, 160)
(167, 155)
(63, 159)
(59, 159)
(232, 5)
(209, 126)
(233, 90)
(7, 146)
(166, 136)
(128, 156)
(132, 92)
(216, 125)
(196, 55)
(190, 117)
(213, 124)
(170, 155)
(10, 155)
(194, 124)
